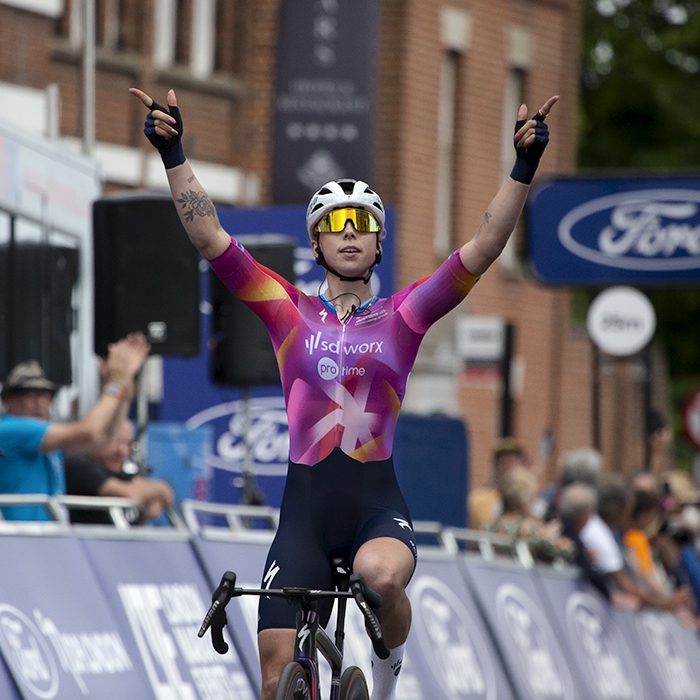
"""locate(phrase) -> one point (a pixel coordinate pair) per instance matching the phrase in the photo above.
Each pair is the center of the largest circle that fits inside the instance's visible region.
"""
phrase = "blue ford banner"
(326, 67)
(604, 231)
(58, 634)
(160, 596)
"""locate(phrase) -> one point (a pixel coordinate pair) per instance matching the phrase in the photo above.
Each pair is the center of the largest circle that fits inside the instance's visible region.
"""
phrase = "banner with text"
(58, 634)
(326, 65)
(600, 231)
(159, 594)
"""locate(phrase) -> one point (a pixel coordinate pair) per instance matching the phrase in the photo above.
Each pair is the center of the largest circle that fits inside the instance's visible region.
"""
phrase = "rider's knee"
(385, 580)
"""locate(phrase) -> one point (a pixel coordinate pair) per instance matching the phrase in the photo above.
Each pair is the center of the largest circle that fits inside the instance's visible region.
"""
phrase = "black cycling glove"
(529, 158)
(170, 149)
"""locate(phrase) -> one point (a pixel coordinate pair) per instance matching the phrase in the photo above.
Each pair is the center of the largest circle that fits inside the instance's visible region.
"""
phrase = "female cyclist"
(344, 360)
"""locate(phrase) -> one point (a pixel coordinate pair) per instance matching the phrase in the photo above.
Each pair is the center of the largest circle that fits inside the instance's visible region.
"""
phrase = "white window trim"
(164, 29)
(203, 43)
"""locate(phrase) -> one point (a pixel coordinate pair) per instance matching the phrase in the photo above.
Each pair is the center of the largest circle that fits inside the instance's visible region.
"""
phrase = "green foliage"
(640, 74)
(640, 110)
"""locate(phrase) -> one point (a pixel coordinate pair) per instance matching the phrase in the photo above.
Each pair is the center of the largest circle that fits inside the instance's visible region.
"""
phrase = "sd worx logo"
(327, 367)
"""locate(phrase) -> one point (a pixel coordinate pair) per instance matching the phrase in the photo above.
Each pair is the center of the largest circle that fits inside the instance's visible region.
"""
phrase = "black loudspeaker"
(242, 352)
(146, 274)
(36, 314)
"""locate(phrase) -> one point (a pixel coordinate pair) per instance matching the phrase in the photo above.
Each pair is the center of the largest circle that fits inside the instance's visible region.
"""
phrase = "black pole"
(595, 396)
(12, 335)
(506, 363)
(646, 360)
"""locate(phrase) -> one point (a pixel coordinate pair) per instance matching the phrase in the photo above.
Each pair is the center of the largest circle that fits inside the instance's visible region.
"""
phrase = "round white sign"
(621, 321)
(691, 419)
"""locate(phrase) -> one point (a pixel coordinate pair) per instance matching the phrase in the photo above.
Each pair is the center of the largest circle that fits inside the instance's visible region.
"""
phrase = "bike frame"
(311, 638)
(310, 635)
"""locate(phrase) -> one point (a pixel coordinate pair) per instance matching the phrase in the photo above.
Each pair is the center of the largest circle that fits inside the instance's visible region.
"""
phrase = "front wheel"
(353, 685)
(293, 683)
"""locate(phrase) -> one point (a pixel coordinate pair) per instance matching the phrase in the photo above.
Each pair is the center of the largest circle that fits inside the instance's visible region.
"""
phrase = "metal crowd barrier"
(107, 612)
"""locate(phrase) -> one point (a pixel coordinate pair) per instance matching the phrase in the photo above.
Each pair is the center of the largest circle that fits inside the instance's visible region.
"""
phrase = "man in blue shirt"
(31, 459)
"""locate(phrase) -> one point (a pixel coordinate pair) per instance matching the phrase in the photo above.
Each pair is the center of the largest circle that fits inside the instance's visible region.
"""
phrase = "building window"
(455, 35)
(228, 37)
(204, 36)
(445, 237)
(118, 24)
(183, 30)
(519, 46)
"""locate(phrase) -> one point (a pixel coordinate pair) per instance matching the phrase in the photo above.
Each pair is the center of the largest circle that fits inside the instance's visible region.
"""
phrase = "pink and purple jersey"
(343, 383)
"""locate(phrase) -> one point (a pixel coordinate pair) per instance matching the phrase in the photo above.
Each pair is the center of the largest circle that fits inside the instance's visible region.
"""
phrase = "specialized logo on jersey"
(271, 573)
(403, 523)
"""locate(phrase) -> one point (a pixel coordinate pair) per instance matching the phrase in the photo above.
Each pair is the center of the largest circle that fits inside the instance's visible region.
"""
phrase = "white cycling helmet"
(344, 193)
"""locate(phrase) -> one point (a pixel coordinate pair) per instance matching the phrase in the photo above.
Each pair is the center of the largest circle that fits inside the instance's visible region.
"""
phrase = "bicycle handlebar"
(369, 602)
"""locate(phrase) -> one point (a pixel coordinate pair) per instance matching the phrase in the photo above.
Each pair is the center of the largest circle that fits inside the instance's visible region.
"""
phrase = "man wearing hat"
(31, 459)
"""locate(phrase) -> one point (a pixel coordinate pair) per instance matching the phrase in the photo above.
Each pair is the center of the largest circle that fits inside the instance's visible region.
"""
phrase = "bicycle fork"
(310, 637)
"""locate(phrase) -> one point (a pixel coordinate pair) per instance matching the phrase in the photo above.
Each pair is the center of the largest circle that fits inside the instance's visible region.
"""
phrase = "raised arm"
(498, 222)
(196, 211)
(101, 422)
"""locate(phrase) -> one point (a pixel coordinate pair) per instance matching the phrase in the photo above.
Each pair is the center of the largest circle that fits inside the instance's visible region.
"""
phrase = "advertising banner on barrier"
(449, 650)
(58, 634)
(247, 561)
(595, 644)
(7, 687)
(531, 651)
(668, 652)
(160, 596)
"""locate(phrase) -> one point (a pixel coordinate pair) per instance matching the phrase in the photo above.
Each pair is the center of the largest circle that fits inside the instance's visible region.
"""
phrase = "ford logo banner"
(602, 231)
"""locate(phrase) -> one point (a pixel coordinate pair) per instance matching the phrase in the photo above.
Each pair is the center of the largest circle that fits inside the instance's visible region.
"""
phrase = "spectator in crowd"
(485, 503)
(689, 564)
(577, 503)
(518, 489)
(645, 523)
(108, 471)
(31, 446)
(580, 466)
(602, 536)
(660, 444)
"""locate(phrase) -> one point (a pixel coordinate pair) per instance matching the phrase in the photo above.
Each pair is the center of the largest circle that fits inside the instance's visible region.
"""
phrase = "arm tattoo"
(190, 178)
(486, 219)
(196, 204)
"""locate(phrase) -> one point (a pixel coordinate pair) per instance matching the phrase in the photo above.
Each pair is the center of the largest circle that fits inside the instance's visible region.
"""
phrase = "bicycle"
(300, 678)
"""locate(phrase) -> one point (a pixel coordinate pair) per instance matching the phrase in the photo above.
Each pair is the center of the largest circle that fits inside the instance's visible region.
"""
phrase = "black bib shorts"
(329, 510)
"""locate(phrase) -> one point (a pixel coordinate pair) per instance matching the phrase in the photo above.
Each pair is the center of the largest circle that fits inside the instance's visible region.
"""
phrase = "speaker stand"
(139, 448)
(251, 495)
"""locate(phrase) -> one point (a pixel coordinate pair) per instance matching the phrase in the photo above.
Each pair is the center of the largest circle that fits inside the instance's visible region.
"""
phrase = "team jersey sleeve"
(259, 288)
(429, 299)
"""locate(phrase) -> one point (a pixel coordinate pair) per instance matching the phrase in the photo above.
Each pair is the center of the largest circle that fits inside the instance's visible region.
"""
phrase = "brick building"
(451, 76)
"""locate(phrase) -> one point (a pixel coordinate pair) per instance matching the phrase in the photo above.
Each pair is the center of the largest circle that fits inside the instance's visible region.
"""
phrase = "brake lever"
(370, 603)
(216, 615)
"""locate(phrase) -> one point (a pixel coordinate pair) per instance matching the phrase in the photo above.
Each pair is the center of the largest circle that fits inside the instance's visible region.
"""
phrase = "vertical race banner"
(326, 69)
